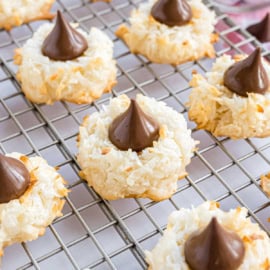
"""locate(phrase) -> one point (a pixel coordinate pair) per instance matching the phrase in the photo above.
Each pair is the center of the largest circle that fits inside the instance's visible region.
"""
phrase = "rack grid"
(94, 233)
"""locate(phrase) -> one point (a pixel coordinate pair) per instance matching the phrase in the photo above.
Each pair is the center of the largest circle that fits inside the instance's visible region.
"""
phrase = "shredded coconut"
(265, 183)
(215, 108)
(80, 80)
(168, 254)
(172, 45)
(26, 218)
(16, 12)
(154, 172)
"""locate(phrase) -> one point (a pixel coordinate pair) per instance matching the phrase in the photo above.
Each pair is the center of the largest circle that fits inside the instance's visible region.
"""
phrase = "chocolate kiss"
(261, 30)
(171, 12)
(14, 179)
(63, 42)
(214, 248)
(247, 76)
(133, 129)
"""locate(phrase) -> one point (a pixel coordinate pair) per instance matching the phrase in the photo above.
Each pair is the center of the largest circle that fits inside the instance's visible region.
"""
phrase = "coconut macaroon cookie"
(62, 63)
(233, 98)
(265, 183)
(17, 12)
(134, 148)
(170, 31)
(207, 238)
(30, 198)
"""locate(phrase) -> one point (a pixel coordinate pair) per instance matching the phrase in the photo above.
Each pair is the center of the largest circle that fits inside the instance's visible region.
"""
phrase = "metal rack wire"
(98, 234)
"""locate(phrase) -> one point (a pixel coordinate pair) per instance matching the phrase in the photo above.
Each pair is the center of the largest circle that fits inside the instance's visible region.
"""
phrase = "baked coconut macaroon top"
(61, 62)
(16, 12)
(233, 98)
(31, 197)
(14, 179)
(170, 31)
(208, 238)
(134, 148)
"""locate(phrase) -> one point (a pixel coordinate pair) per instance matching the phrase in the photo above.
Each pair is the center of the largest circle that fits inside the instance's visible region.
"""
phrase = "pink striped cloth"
(241, 18)
(246, 18)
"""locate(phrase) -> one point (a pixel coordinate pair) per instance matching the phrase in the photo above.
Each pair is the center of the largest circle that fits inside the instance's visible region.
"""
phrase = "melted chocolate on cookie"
(133, 129)
(214, 248)
(172, 12)
(14, 179)
(247, 76)
(63, 42)
(261, 30)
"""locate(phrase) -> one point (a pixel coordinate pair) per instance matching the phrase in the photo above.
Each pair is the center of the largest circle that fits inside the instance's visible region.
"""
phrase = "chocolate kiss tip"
(261, 30)
(14, 179)
(133, 129)
(255, 56)
(214, 248)
(172, 12)
(247, 76)
(63, 42)
(214, 223)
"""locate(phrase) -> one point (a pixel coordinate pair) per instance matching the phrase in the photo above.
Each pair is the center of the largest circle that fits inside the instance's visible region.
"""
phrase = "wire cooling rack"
(98, 234)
